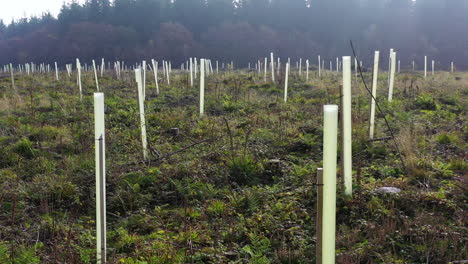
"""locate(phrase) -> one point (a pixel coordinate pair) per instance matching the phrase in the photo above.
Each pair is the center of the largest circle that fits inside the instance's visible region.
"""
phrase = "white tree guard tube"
(392, 76)
(103, 67)
(425, 66)
(95, 75)
(355, 67)
(141, 105)
(168, 73)
(286, 79)
(347, 127)
(300, 66)
(144, 79)
(78, 69)
(319, 67)
(202, 87)
(433, 66)
(12, 77)
(330, 133)
(56, 72)
(155, 71)
(272, 67)
(100, 157)
(374, 94)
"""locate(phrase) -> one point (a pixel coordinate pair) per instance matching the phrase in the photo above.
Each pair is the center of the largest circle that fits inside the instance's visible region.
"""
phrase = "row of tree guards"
(192, 66)
(120, 66)
(326, 176)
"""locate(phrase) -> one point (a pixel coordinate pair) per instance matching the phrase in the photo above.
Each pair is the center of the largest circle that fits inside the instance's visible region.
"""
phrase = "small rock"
(231, 254)
(274, 161)
(388, 190)
(175, 131)
(273, 167)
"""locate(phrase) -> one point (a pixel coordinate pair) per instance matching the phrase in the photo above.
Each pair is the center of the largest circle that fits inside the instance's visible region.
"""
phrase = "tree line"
(241, 31)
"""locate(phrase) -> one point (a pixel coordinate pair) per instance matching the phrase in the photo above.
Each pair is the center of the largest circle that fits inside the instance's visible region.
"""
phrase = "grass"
(236, 186)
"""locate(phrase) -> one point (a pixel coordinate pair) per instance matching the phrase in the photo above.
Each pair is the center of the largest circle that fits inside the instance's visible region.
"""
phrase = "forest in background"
(241, 31)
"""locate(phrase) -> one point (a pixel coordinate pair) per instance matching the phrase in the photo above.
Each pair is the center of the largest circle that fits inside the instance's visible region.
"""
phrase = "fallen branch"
(379, 139)
(181, 150)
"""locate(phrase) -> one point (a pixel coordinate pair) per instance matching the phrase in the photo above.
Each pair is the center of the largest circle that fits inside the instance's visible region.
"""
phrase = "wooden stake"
(319, 224)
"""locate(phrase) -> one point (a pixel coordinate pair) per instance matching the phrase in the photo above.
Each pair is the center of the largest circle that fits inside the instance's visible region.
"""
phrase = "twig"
(182, 149)
(153, 150)
(231, 141)
(379, 139)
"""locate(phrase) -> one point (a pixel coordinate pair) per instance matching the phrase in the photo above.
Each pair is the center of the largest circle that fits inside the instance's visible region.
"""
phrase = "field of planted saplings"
(223, 165)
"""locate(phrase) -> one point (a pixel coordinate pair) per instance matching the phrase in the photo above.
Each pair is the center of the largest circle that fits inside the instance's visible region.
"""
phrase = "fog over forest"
(242, 31)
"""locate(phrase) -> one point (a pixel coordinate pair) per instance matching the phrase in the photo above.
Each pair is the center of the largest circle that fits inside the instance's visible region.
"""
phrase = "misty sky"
(25, 8)
(20, 8)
